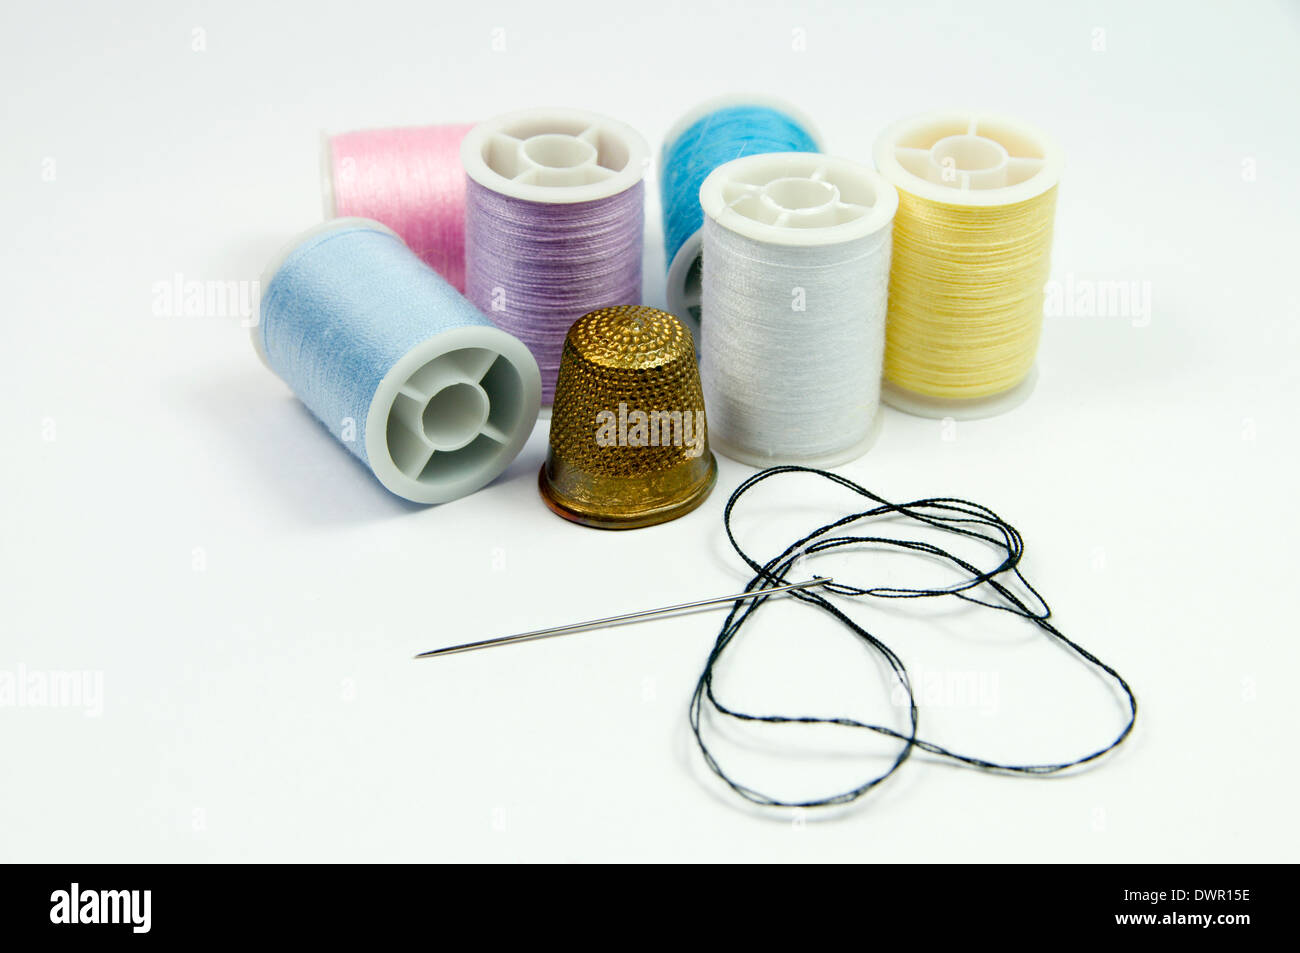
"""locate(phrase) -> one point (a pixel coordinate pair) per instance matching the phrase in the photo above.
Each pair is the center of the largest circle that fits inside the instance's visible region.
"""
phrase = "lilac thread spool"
(555, 215)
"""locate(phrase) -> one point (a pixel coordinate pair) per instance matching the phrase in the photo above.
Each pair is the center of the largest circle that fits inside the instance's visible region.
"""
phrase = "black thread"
(950, 515)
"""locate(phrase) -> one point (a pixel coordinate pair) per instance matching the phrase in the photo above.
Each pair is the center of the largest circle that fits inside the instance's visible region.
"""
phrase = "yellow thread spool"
(972, 250)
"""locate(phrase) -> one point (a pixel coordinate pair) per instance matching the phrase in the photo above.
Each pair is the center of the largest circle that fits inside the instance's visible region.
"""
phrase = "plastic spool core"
(799, 199)
(684, 288)
(555, 156)
(801, 195)
(452, 413)
(455, 415)
(976, 160)
(559, 152)
(982, 160)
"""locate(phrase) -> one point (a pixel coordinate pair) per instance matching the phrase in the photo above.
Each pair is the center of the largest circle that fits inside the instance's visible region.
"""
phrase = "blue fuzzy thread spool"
(711, 134)
(401, 369)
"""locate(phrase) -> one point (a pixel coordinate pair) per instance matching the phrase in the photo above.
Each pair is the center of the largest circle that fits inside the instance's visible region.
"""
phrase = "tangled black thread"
(949, 515)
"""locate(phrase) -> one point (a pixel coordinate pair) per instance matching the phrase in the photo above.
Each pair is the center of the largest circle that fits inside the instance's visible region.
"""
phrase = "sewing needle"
(626, 617)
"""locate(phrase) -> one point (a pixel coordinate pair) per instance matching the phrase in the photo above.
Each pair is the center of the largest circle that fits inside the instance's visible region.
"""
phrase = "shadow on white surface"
(288, 454)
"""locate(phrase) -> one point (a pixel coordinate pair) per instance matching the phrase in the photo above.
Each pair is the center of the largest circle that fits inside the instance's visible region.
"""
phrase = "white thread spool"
(795, 278)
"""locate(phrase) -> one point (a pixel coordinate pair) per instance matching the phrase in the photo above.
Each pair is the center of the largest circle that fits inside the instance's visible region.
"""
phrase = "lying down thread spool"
(972, 251)
(714, 132)
(796, 267)
(410, 179)
(554, 221)
(400, 368)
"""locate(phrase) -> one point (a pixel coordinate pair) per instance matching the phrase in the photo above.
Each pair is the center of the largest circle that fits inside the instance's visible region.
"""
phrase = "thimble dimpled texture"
(618, 362)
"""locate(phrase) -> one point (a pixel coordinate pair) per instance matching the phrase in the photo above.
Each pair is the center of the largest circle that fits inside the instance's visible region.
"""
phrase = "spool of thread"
(796, 268)
(972, 251)
(554, 223)
(405, 372)
(410, 179)
(712, 133)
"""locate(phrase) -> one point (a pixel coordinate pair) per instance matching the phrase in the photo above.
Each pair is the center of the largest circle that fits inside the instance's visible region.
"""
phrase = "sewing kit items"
(806, 277)
(972, 247)
(712, 133)
(410, 179)
(554, 223)
(796, 269)
(1000, 586)
(400, 368)
(629, 439)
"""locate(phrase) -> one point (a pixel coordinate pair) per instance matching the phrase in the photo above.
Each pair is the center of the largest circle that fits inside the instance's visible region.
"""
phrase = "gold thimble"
(629, 442)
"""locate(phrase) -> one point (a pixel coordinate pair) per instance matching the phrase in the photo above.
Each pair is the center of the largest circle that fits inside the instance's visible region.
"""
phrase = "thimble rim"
(636, 520)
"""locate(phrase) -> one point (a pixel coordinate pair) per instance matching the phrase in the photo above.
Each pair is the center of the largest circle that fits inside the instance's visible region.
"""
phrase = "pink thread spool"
(410, 179)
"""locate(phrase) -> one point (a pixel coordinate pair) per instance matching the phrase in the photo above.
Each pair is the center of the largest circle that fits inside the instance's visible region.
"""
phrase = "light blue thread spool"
(711, 134)
(401, 368)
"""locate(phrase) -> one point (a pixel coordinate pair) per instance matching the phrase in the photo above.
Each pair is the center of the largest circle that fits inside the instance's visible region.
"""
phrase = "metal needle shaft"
(626, 617)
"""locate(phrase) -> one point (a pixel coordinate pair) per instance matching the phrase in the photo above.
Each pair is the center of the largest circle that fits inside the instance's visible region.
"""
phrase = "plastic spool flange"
(452, 413)
(799, 199)
(555, 156)
(979, 160)
(684, 270)
(329, 203)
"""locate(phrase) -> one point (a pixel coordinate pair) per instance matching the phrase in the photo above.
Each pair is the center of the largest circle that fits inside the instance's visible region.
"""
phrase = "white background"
(175, 521)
